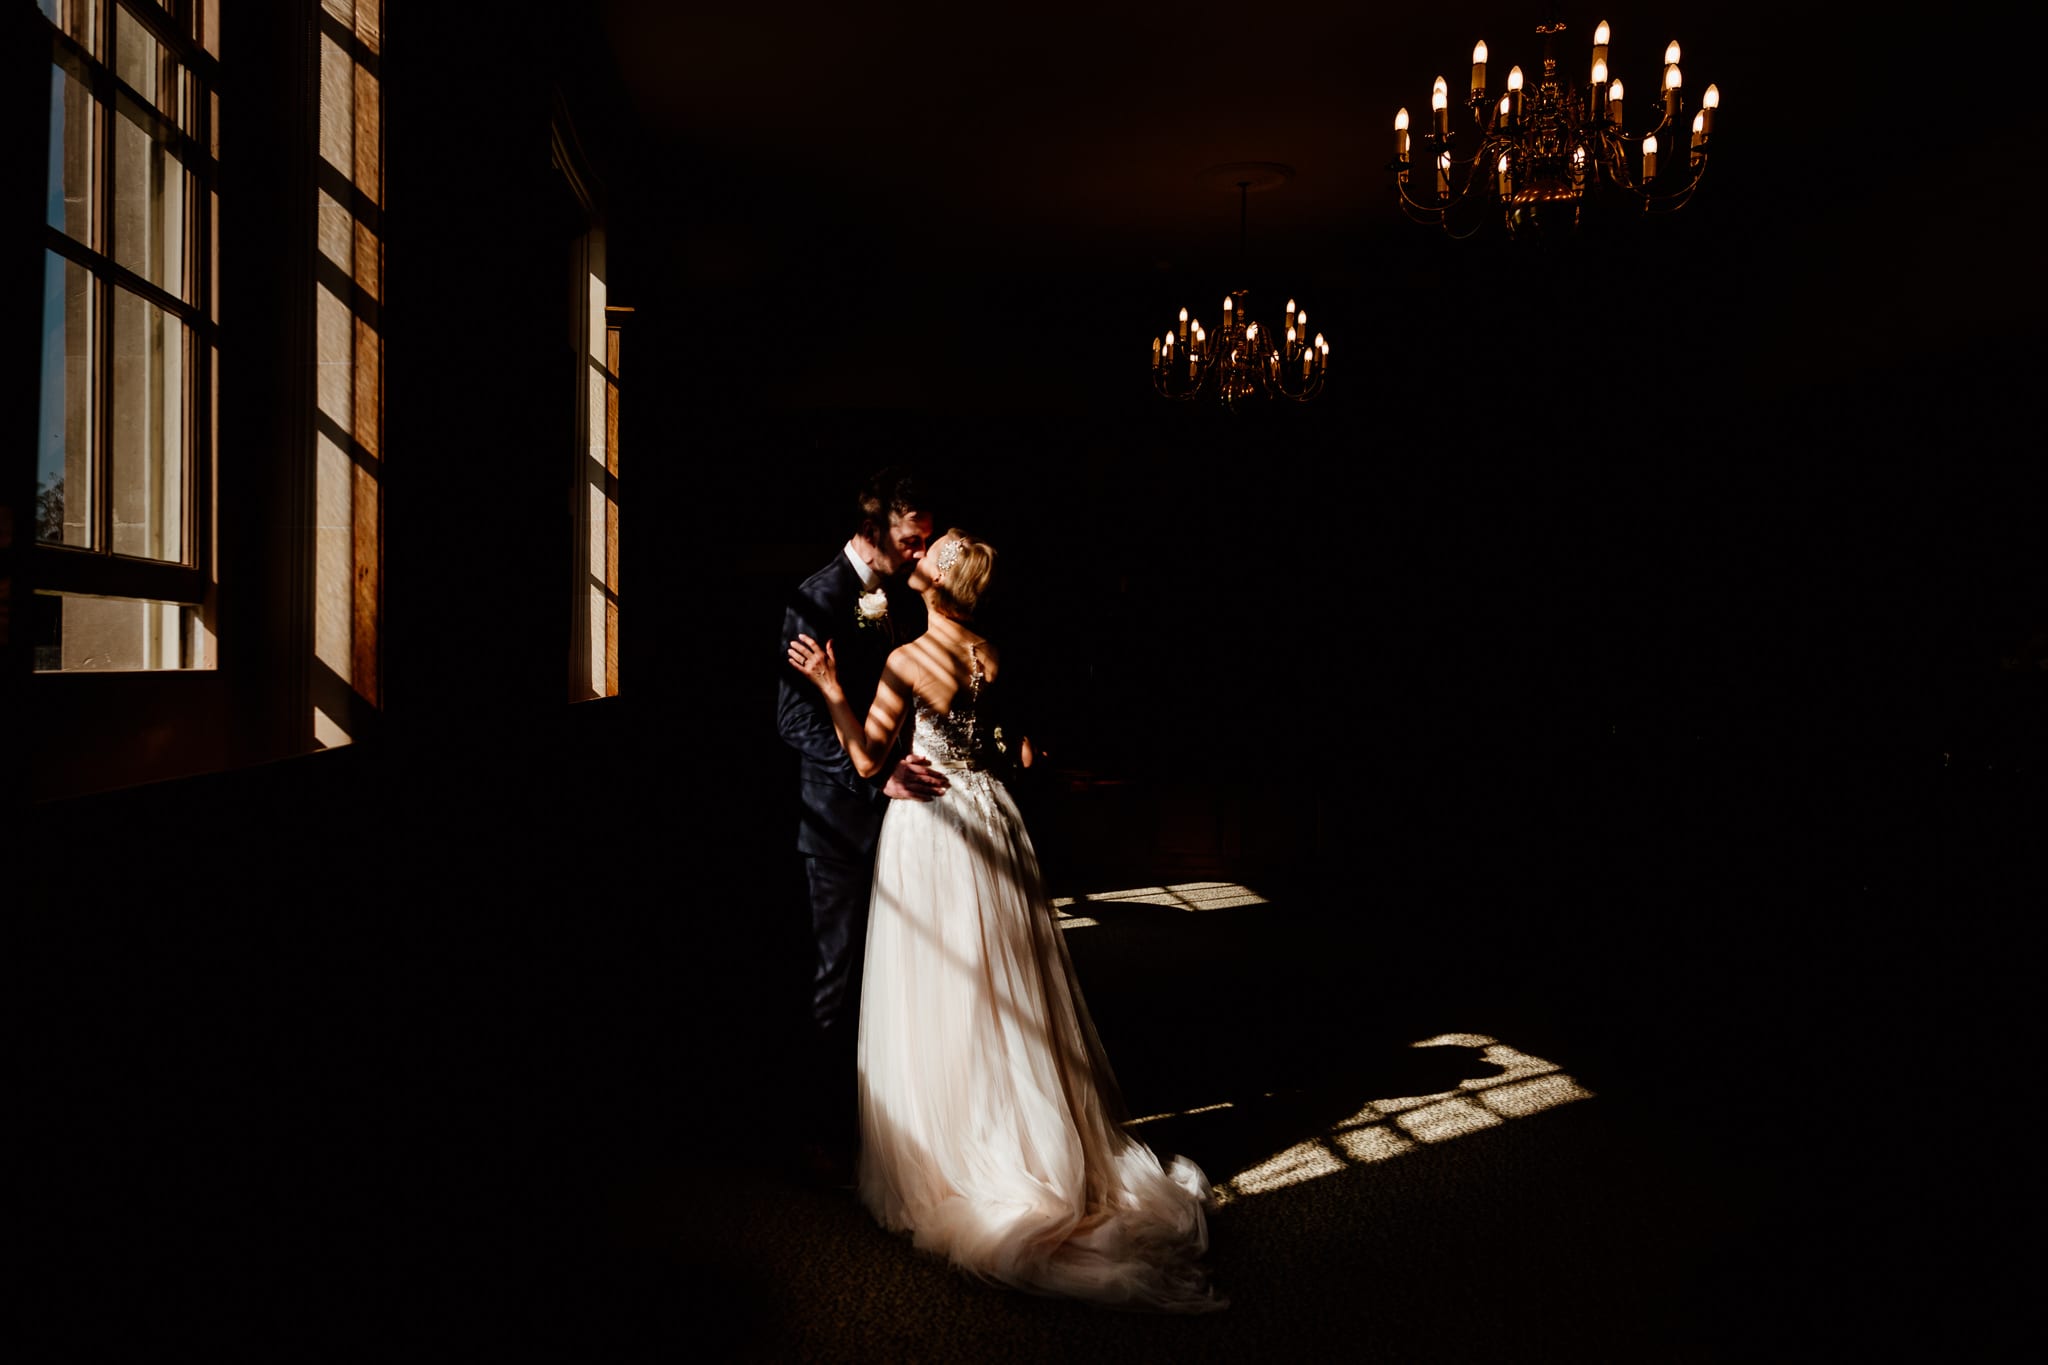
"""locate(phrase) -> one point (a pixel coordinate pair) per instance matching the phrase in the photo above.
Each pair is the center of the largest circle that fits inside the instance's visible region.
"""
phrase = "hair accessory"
(949, 554)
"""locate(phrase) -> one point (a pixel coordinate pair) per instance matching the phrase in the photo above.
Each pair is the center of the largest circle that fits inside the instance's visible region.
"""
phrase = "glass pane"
(77, 18)
(147, 450)
(144, 63)
(149, 205)
(74, 119)
(99, 634)
(369, 24)
(209, 25)
(337, 108)
(64, 431)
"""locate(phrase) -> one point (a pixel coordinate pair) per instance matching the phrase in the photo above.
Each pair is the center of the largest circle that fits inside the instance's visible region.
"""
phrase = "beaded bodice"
(954, 739)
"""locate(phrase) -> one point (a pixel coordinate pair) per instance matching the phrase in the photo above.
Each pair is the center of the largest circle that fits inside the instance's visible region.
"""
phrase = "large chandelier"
(1242, 360)
(1538, 156)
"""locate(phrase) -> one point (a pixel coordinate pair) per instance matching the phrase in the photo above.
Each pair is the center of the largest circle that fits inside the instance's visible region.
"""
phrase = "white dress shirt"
(869, 579)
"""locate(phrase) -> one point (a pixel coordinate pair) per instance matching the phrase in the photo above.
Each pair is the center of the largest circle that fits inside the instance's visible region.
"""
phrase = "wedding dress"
(989, 1116)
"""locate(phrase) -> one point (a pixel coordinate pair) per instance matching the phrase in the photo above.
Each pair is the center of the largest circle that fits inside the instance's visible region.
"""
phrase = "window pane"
(95, 634)
(144, 63)
(75, 17)
(74, 116)
(149, 206)
(64, 431)
(147, 450)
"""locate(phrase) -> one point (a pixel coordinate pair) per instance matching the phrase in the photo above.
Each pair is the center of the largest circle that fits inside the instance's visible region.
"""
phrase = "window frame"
(98, 570)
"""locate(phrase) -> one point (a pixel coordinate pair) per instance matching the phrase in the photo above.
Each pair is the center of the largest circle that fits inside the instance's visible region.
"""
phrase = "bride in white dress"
(989, 1117)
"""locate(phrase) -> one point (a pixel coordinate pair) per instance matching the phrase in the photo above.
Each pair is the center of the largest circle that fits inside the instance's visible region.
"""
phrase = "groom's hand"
(915, 780)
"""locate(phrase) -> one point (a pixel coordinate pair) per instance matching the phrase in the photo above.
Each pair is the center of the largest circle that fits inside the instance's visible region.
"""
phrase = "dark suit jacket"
(842, 810)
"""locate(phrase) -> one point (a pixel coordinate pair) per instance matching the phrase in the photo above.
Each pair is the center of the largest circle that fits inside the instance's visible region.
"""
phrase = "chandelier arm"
(1417, 214)
(1673, 202)
(1478, 156)
(1409, 200)
(1650, 196)
(1161, 384)
(1620, 135)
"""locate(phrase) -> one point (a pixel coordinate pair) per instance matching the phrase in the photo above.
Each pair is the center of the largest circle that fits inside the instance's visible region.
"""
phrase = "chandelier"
(1538, 156)
(1242, 360)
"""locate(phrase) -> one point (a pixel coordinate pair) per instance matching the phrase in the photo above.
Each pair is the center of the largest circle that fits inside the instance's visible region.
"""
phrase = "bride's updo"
(964, 568)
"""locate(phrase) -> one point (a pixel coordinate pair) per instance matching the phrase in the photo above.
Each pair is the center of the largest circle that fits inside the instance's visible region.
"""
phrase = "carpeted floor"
(1727, 1174)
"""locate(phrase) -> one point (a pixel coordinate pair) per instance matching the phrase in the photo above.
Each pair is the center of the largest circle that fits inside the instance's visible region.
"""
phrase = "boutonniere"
(873, 608)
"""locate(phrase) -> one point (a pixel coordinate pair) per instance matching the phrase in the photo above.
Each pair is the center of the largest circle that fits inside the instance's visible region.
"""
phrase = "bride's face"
(926, 571)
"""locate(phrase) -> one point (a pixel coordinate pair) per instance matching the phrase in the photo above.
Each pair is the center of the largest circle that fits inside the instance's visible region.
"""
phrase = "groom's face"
(909, 533)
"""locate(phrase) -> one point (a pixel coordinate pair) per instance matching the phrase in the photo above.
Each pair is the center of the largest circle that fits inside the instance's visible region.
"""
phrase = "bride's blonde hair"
(966, 574)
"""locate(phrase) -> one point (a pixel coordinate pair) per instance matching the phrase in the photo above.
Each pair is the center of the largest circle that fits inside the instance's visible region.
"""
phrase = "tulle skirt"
(989, 1116)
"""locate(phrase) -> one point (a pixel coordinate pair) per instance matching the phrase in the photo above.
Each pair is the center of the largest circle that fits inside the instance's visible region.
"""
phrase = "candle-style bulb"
(1290, 306)
(1479, 53)
(1712, 99)
(1650, 145)
(1290, 336)
(1505, 100)
(1699, 122)
(1599, 73)
(1302, 318)
(1515, 79)
(1673, 77)
(1226, 305)
(1502, 166)
(1250, 332)
(1438, 99)
(1671, 57)
(1401, 122)
(1601, 34)
(1184, 314)
(1614, 90)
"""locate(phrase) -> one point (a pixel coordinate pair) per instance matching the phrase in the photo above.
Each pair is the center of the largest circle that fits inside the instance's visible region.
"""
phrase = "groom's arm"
(800, 715)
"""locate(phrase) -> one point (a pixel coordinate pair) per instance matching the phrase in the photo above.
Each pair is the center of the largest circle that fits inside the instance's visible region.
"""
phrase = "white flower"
(873, 607)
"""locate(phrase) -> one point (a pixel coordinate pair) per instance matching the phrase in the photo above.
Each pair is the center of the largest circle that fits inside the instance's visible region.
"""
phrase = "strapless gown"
(989, 1116)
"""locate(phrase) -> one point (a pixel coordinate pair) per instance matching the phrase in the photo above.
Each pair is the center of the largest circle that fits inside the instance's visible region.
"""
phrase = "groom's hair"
(887, 492)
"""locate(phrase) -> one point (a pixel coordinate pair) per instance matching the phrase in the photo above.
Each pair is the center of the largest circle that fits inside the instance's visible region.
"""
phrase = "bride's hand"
(821, 666)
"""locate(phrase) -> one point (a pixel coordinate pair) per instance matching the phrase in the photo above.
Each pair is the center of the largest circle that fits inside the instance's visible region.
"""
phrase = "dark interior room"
(1544, 822)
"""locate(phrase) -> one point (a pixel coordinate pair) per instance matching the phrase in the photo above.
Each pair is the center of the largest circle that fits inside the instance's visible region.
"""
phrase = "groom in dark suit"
(859, 602)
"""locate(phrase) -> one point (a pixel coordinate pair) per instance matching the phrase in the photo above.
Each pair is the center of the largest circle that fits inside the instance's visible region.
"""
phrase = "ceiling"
(1084, 129)
(948, 168)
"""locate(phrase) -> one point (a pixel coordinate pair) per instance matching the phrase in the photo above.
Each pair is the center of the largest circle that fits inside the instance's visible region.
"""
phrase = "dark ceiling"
(897, 179)
(1084, 133)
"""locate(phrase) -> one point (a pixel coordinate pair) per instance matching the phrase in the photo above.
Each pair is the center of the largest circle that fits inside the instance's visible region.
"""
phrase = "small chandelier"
(1242, 360)
(1539, 156)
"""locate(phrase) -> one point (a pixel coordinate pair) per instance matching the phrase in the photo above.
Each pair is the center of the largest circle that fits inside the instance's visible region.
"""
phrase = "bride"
(988, 1113)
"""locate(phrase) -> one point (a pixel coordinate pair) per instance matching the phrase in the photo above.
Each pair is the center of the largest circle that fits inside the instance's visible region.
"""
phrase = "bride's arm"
(867, 742)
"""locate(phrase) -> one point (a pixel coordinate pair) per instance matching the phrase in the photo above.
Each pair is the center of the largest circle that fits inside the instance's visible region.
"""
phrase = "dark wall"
(1556, 603)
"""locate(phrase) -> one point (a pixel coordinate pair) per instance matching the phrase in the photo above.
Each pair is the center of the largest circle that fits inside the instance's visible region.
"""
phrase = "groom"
(857, 601)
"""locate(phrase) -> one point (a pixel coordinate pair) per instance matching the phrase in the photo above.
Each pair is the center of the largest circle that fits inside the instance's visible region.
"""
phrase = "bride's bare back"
(936, 667)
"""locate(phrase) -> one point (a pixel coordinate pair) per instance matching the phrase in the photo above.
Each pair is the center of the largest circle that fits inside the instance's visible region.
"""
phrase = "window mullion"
(190, 314)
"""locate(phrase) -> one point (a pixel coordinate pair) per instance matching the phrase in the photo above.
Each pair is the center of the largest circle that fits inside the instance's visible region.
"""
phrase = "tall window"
(123, 562)
(601, 478)
(594, 333)
(348, 474)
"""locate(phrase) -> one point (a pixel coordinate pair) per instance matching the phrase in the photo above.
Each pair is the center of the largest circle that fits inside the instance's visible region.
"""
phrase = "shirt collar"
(869, 579)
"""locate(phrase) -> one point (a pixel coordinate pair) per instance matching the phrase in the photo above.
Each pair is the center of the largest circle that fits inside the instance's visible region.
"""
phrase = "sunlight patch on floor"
(1179, 896)
(1386, 1128)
